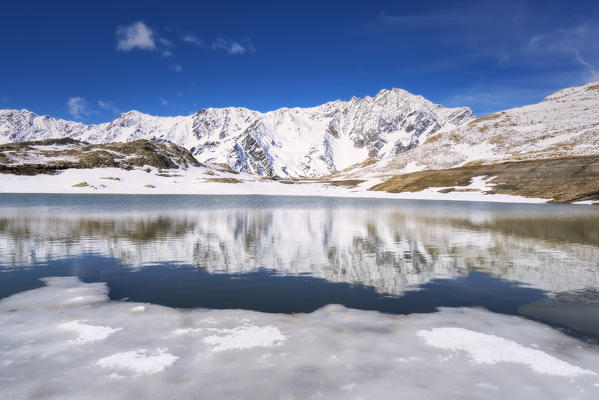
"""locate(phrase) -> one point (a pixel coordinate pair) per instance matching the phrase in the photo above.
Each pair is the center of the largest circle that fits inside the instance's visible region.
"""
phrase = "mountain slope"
(548, 150)
(564, 124)
(54, 155)
(286, 142)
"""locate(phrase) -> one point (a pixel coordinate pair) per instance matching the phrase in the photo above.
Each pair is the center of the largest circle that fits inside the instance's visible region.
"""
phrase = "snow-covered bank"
(67, 340)
(204, 181)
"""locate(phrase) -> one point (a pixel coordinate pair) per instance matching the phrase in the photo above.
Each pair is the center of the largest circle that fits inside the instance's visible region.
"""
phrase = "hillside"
(548, 150)
(53, 155)
(564, 124)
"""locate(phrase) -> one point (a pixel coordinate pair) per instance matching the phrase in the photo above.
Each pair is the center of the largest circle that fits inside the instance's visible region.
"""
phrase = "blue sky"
(89, 61)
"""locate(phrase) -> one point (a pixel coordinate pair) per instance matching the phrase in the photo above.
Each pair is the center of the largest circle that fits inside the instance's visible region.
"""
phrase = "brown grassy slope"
(223, 180)
(129, 155)
(560, 180)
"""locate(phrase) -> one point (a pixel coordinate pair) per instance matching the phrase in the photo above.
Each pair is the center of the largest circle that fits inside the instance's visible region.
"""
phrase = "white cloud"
(193, 39)
(574, 46)
(593, 70)
(165, 42)
(165, 47)
(561, 42)
(164, 102)
(78, 107)
(108, 105)
(137, 35)
(232, 47)
(236, 48)
(176, 68)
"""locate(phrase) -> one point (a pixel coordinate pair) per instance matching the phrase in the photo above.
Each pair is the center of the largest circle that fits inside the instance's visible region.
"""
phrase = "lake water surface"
(268, 297)
(298, 254)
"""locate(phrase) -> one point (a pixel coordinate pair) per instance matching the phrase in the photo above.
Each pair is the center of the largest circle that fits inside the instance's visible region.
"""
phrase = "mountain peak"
(133, 113)
(17, 111)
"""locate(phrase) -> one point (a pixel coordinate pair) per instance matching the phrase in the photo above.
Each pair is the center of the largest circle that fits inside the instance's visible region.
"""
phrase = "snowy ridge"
(564, 124)
(289, 142)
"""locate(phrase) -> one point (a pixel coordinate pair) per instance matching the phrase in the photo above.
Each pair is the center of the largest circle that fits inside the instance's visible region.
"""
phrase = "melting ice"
(52, 346)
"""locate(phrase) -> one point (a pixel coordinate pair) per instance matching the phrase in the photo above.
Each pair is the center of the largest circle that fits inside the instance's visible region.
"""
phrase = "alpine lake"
(307, 297)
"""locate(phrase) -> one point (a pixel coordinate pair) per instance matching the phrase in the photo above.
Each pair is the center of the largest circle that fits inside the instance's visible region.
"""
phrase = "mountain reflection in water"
(392, 247)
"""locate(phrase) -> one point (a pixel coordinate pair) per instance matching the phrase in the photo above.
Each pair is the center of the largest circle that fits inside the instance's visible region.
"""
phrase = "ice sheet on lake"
(331, 353)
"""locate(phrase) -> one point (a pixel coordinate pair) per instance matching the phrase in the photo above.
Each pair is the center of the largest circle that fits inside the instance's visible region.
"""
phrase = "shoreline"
(196, 182)
(201, 181)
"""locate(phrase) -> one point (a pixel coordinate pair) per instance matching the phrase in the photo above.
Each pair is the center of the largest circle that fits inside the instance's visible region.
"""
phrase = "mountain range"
(395, 142)
(288, 142)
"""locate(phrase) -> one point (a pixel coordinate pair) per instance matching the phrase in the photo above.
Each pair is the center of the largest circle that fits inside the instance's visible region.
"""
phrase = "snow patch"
(139, 361)
(245, 337)
(412, 166)
(184, 331)
(586, 202)
(491, 349)
(87, 333)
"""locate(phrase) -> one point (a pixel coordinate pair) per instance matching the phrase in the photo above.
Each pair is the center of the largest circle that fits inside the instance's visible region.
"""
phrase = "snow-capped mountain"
(289, 142)
(563, 125)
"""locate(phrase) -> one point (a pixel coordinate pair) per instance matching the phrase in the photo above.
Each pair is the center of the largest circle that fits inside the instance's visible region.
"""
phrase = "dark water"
(294, 254)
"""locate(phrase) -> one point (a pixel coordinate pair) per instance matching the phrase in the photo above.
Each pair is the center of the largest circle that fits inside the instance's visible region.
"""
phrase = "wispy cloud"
(593, 71)
(165, 47)
(135, 36)
(233, 47)
(485, 30)
(506, 33)
(573, 44)
(424, 20)
(79, 108)
(562, 39)
(138, 35)
(192, 39)
(486, 96)
(109, 106)
(164, 102)
(176, 68)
